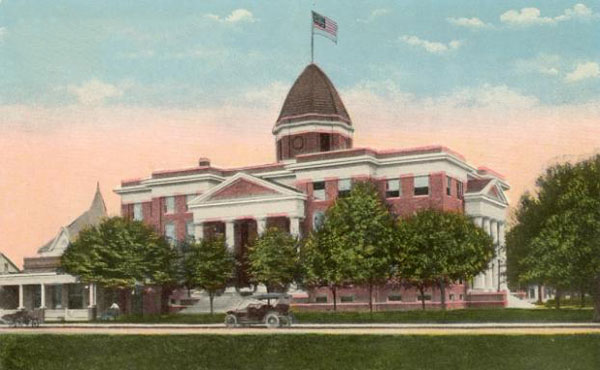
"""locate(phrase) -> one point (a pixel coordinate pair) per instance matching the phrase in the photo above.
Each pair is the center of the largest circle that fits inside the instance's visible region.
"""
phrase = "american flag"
(327, 26)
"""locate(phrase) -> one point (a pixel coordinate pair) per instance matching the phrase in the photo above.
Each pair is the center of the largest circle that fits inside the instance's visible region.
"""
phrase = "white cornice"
(298, 126)
(483, 197)
(148, 183)
(234, 201)
(370, 159)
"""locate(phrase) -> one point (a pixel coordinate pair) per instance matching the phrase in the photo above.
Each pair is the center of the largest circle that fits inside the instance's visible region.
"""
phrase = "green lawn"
(90, 352)
(450, 316)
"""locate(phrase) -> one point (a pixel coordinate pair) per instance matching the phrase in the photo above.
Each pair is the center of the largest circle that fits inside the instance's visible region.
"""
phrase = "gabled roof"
(490, 188)
(313, 96)
(95, 213)
(244, 186)
(7, 260)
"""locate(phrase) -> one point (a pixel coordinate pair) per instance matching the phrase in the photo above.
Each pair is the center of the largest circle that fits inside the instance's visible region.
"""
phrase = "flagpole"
(312, 39)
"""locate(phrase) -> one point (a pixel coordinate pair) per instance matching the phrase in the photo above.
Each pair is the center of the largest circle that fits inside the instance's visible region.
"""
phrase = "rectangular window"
(344, 187)
(188, 199)
(422, 185)
(451, 297)
(189, 230)
(75, 296)
(169, 205)
(392, 188)
(137, 212)
(459, 189)
(448, 185)
(347, 298)
(321, 299)
(395, 298)
(461, 297)
(427, 297)
(170, 232)
(325, 141)
(319, 190)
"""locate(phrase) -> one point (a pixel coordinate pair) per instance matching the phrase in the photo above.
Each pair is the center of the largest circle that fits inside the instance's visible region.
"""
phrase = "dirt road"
(348, 329)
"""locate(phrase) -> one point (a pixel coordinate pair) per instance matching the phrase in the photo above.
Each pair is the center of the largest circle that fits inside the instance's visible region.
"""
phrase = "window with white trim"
(169, 205)
(188, 199)
(170, 232)
(138, 214)
(392, 188)
(319, 190)
(344, 187)
(318, 220)
(459, 189)
(448, 185)
(189, 230)
(421, 185)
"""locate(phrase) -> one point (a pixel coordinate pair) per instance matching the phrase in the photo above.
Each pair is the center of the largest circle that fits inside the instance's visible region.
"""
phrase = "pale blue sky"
(203, 53)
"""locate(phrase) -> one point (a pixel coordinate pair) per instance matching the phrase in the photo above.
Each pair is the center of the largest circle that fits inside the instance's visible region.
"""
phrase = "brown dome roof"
(313, 96)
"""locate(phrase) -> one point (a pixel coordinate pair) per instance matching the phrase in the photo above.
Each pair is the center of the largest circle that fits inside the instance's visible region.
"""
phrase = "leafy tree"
(273, 259)
(442, 247)
(119, 253)
(321, 266)
(564, 249)
(358, 232)
(209, 266)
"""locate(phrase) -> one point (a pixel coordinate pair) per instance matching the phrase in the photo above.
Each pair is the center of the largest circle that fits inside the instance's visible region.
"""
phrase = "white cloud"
(374, 15)
(544, 63)
(583, 71)
(533, 16)
(94, 92)
(473, 23)
(489, 96)
(238, 15)
(431, 46)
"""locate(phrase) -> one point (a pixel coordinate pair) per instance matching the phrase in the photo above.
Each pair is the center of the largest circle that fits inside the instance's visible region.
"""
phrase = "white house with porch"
(41, 285)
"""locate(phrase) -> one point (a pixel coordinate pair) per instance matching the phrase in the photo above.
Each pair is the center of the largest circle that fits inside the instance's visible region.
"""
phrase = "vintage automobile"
(24, 318)
(271, 309)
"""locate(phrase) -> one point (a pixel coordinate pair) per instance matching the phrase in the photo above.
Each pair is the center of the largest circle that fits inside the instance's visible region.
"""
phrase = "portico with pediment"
(244, 206)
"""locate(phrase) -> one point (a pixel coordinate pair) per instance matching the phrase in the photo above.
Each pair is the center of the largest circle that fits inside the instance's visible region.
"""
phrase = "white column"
(199, 231)
(229, 235)
(494, 233)
(21, 297)
(502, 254)
(91, 302)
(479, 280)
(295, 226)
(261, 225)
(488, 273)
(42, 296)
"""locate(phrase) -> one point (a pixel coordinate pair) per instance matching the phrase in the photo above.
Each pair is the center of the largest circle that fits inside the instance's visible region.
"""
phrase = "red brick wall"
(311, 144)
(405, 205)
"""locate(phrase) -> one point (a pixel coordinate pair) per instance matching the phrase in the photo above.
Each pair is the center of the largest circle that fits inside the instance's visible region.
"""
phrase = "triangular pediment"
(243, 186)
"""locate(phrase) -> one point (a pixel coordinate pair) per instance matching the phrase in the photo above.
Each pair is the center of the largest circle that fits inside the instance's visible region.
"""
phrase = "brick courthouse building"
(315, 163)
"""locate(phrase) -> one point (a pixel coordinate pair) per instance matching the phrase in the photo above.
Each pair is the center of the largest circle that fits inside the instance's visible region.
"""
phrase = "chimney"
(203, 162)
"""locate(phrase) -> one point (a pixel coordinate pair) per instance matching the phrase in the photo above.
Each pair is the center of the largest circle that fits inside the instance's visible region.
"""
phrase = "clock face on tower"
(298, 143)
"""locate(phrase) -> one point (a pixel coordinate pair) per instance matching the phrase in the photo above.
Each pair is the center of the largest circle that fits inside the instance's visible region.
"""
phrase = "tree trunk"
(442, 286)
(557, 299)
(334, 294)
(211, 297)
(165, 292)
(582, 302)
(371, 298)
(540, 301)
(422, 290)
(596, 295)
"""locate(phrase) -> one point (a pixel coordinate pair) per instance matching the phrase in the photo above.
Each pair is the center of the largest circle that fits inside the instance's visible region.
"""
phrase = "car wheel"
(272, 320)
(231, 321)
(286, 321)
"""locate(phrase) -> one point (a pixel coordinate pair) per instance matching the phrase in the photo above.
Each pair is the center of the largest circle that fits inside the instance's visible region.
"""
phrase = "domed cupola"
(313, 117)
